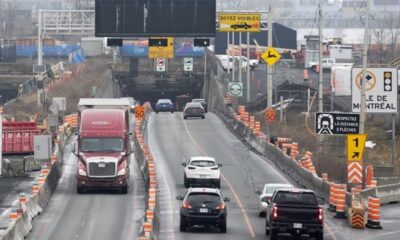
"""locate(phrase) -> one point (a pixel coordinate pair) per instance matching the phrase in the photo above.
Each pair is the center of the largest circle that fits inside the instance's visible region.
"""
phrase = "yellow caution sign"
(271, 56)
(355, 147)
(162, 51)
(239, 22)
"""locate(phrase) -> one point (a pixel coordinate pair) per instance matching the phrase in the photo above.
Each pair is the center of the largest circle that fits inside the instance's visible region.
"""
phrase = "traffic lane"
(169, 142)
(95, 215)
(254, 171)
(242, 168)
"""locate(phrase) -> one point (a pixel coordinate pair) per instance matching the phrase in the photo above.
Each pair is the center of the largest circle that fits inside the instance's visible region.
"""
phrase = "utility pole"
(363, 83)
(364, 70)
(248, 68)
(321, 79)
(40, 91)
(233, 59)
(269, 79)
(240, 58)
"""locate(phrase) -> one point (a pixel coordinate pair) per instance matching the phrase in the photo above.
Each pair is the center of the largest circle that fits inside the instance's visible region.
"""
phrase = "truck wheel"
(319, 235)
(156, 111)
(186, 182)
(80, 190)
(273, 234)
(182, 225)
(124, 190)
(202, 117)
(184, 117)
(172, 111)
(267, 231)
(222, 227)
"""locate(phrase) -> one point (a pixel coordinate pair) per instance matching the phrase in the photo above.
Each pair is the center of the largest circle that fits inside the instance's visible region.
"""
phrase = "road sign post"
(162, 51)
(139, 112)
(239, 22)
(336, 123)
(188, 64)
(235, 89)
(380, 90)
(355, 151)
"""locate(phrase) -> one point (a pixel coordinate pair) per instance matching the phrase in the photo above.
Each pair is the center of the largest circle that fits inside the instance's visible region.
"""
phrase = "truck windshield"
(102, 145)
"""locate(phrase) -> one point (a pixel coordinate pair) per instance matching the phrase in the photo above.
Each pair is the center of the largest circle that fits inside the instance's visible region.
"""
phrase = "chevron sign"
(354, 172)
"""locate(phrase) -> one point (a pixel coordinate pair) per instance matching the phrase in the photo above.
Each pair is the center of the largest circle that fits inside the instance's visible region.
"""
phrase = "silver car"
(267, 193)
(193, 110)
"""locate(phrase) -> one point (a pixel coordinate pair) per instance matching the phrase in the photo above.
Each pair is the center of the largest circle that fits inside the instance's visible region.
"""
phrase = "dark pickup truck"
(295, 212)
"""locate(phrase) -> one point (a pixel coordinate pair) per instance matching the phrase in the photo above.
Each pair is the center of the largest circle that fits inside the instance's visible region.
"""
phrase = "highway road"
(95, 215)
(173, 140)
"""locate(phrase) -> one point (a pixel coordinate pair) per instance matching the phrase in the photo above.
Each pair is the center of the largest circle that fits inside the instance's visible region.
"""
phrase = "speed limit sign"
(139, 112)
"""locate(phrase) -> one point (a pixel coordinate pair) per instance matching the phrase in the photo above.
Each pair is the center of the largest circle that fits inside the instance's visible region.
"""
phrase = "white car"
(267, 193)
(202, 171)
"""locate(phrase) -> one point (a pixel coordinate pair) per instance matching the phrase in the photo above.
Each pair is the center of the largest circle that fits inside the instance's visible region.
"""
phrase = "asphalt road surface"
(173, 140)
(95, 215)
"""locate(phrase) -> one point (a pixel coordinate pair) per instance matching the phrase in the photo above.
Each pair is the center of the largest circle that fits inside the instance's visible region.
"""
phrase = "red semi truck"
(103, 146)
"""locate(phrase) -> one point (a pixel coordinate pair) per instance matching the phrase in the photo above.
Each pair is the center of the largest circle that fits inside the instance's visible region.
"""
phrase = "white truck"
(228, 64)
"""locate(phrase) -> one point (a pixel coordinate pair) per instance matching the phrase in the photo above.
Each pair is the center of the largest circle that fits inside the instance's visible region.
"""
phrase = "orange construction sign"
(139, 112)
(270, 115)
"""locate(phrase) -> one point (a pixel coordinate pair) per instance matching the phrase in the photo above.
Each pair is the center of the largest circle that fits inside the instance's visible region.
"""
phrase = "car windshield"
(102, 145)
(164, 101)
(272, 189)
(202, 163)
(302, 198)
(203, 198)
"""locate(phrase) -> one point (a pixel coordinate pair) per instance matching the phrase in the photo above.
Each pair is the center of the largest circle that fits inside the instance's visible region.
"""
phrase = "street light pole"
(269, 79)
(363, 83)
(40, 91)
(364, 70)
(320, 81)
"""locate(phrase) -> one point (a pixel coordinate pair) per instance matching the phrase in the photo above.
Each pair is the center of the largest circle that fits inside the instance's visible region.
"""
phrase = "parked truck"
(103, 146)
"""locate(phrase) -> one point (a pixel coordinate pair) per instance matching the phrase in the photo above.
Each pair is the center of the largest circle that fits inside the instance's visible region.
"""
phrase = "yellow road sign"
(239, 22)
(163, 52)
(139, 112)
(271, 56)
(355, 147)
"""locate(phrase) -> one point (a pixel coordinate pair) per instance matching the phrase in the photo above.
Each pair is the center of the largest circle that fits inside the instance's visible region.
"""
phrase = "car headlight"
(82, 172)
(121, 172)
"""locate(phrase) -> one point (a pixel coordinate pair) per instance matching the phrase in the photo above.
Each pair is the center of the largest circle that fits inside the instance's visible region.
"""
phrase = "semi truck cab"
(103, 149)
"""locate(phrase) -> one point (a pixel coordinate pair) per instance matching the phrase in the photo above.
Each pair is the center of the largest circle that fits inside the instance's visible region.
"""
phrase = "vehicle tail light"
(221, 206)
(191, 168)
(320, 215)
(186, 205)
(275, 212)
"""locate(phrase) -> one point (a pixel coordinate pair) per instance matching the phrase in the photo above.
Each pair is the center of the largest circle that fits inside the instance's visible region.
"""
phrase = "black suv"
(203, 206)
(296, 212)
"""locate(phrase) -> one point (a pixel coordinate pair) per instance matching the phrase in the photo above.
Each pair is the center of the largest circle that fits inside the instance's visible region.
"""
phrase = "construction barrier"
(332, 197)
(340, 201)
(356, 216)
(294, 151)
(374, 214)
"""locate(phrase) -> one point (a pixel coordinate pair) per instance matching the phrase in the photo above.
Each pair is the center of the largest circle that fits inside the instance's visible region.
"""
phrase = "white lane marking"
(242, 209)
(383, 234)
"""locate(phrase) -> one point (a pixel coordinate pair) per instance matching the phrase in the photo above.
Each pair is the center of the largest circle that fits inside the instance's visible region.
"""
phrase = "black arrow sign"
(355, 155)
